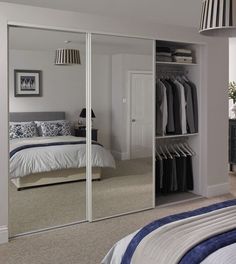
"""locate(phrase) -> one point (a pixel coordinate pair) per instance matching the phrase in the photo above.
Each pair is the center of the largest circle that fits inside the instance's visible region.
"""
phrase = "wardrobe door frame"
(89, 195)
(88, 123)
(89, 87)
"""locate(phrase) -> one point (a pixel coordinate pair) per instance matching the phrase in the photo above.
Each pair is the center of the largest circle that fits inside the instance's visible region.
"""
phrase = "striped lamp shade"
(67, 57)
(218, 17)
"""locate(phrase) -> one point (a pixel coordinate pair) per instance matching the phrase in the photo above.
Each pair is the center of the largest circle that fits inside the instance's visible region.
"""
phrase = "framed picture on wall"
(27, 83)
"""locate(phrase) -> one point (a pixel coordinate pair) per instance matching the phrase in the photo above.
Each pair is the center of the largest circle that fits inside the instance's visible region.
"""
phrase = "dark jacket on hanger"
(189, 108)
(170, 121)
(176, 108)
(161, 108)
(195, 104)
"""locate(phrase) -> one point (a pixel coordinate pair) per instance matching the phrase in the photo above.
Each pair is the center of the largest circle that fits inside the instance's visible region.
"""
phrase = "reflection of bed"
(52, 177)
(206, 235)
(41, 161)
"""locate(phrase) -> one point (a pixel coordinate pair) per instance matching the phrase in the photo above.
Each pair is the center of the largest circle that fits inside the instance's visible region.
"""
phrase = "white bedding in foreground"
(168, 243)
(44, 159)
(225, 255)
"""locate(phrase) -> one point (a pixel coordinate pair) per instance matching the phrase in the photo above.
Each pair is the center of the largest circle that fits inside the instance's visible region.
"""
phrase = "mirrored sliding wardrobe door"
(122, 125)
(47, 97)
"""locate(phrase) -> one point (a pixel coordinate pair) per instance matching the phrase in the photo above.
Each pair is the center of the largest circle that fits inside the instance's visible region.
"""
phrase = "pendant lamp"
(67, 57)
(218, 17)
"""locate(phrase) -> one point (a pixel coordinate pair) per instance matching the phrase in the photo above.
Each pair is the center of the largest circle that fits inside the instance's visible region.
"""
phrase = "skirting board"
(3, 234)
(216, 190)
(120, 155)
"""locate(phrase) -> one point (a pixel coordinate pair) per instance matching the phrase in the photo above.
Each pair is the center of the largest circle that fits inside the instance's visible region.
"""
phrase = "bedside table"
(81, 132)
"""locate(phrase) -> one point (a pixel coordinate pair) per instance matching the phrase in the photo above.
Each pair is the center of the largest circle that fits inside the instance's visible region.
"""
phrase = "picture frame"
(27, 83)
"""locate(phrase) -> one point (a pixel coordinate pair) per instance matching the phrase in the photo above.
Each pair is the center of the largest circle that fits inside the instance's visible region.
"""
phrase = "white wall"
(217, 113)
(232, 67)
(121, 65)
(63, 87)
(232, 59)
(101, 97)
(214, 74)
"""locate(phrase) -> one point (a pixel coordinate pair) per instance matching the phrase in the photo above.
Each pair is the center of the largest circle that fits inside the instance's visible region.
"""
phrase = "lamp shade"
(67, 57)
(218, 17)
(83, 113)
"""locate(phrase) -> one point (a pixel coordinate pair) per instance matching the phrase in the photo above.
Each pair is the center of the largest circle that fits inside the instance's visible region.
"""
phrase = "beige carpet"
(127, 188)
(87, 243)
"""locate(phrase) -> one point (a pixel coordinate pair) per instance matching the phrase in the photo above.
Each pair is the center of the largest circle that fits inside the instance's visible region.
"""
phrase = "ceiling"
(181, 12)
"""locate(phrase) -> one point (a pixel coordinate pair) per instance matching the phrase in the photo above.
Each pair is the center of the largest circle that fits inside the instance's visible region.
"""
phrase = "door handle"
(133, 120)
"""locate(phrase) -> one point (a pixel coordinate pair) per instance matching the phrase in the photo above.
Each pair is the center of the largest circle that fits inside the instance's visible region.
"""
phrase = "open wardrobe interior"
(177, 122)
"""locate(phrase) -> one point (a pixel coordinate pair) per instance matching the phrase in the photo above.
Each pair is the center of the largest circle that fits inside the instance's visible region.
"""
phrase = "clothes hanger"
(174, 150)
(168, 152)
(185, 149)
(190, 149)
(163, 153)
(158, 155)
(185, 78)
(180, 79)
(182, 153)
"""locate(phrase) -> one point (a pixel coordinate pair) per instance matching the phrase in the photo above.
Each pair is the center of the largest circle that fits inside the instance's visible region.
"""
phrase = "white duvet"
(48, 158)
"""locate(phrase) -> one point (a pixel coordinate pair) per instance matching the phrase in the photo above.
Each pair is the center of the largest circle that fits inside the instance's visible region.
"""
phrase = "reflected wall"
(122, 99)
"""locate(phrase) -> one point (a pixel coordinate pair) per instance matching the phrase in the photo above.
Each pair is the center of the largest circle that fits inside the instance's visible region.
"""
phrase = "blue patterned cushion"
(57, 128)
(64, 128)
(22, 130)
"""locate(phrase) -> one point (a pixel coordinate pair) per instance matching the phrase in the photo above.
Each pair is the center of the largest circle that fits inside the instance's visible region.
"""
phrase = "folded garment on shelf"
(183, 59)
(163, 49)
(185, 51)
(168, 54)
(182, 54)
(164, 58)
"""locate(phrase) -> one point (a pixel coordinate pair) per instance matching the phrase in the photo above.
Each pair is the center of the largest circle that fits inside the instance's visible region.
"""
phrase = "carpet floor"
(87, 243)
(127, 188)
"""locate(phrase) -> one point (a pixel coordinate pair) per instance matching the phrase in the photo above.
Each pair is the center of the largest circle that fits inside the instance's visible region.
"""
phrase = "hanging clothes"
(170, 106)
(161, 108)
(180, 88)
(159, 175)
(189, 171)
(195, 104)
(176, 106)
(189, 107)
(181, 173)
(174, 175)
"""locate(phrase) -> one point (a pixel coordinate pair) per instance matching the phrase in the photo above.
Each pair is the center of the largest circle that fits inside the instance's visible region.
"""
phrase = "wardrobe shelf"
(176, 63)
(176, 136)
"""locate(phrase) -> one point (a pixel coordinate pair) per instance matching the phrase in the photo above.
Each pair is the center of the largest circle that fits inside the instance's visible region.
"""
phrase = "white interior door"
(141, 92)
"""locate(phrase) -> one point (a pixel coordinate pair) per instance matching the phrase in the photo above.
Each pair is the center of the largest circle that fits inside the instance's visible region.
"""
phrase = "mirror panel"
(122, 132)
(58, 169)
